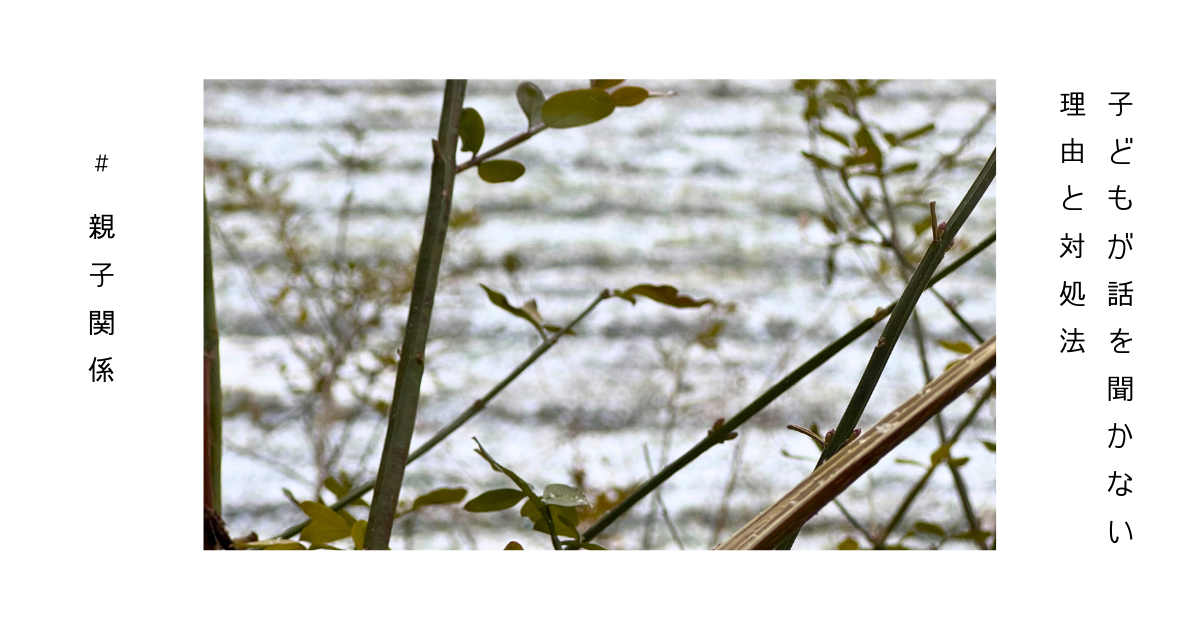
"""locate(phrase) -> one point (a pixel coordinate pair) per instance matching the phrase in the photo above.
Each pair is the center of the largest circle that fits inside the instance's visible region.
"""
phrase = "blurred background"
(317, 193)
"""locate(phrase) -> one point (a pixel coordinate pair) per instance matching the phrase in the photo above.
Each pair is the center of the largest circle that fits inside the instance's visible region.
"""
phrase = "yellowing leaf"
(929, 528)
(664, 294)
(514, 546)
(960, 347)
(500, 300)
(629, 96)
(848, 544)
(326, 526)
(359, 533)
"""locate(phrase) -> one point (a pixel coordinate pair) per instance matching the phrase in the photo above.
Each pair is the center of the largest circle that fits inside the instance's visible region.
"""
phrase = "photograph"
(599, 314)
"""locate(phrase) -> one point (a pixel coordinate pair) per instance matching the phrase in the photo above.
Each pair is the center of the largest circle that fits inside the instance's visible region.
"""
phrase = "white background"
(94, 533)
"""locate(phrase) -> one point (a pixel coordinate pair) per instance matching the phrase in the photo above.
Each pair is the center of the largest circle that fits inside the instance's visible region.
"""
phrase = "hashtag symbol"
(100, 162)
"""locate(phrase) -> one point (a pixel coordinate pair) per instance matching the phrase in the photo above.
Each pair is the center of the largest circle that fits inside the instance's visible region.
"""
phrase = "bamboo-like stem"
(470, 412)
(503, 146)
(789, 513)
(904, 309)
(881, 541)
(403, 414)
(212, 381)
(718, 435)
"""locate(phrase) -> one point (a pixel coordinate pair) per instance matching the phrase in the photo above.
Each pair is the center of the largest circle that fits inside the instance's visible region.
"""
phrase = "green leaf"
(871, 153)
(902, 460)
(528, 312)
(564, 495)
(938, 455)
(907, 167)
(531, 99)
(470, 130)
(562, 526)
(804, 84)
(326, 526)
(819, 161)
(848, 544)
(629, 96)
(829, 224)
(664, 294)
(575, 108)
(500, 171)
(959, 462)
(604, 84)
(977, 536)
(916, 133)
(359, 533)
(835, 136)
(955, 346)
(291, 497)
(340, 490)
(494, 500)
(441, 496)
(922, 225)
(324, 546)
(929, 528)
(991, 446)
(514, 546)
(521, 483)
(593, 547)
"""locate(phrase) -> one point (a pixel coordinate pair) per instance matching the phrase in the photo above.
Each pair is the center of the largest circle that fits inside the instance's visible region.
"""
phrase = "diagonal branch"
(779, 522)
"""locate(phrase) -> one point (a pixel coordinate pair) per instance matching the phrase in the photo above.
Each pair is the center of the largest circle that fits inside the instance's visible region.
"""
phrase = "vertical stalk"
(212, 382)
(403, 414)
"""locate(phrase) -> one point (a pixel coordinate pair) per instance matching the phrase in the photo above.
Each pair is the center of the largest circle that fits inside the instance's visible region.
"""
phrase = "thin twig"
(359, 491)
(904, 262)
(881, 540)
(718, 435)
(658, 499)
(503, 146)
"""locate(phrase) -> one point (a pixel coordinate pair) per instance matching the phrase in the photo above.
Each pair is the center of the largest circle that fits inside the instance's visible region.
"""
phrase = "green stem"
(904, 262)
(504, 146)
(904, 308)
(402, 418)
(758, 404)
(362, 489)
(853, 522)
(212, 380)
(550, 527)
